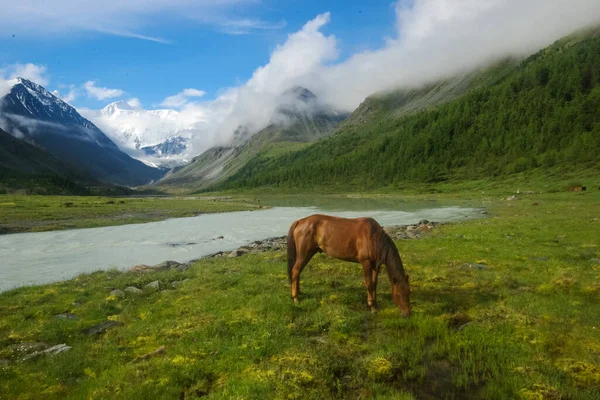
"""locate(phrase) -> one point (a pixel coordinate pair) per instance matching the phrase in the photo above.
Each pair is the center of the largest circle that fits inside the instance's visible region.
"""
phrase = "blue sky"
(192, 53)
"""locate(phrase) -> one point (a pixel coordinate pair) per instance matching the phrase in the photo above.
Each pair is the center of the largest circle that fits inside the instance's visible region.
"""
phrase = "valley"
(144, 247)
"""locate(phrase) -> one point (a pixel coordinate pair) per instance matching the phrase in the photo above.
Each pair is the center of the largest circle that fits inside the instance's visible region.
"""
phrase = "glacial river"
(35, 258)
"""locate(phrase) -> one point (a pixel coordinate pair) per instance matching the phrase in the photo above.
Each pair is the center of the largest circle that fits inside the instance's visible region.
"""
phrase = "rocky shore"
(279, 243)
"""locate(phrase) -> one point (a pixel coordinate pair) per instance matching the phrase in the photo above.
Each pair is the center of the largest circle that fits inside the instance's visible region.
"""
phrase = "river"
(36, 258)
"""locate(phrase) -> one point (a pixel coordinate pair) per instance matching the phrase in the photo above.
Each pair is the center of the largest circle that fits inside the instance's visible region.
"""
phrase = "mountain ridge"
(31, 113)
(299, 119)
(518, 116)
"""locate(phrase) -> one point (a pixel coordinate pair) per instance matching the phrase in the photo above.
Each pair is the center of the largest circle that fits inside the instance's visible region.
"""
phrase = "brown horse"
(360, 240)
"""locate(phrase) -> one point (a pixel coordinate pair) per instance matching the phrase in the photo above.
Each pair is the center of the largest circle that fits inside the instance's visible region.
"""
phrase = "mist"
(434, 39)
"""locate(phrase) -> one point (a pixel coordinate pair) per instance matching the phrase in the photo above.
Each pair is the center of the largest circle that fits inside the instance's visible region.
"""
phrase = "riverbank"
(23, 213)
(504, 307)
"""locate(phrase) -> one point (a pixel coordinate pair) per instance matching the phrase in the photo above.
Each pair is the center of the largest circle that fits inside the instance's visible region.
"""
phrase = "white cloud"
(439, 38)
(32, 72)
(101, 93)
(435, 39)
(129, 18)
(135, 103)
(71, 95)
(181, 99)
(245, 26)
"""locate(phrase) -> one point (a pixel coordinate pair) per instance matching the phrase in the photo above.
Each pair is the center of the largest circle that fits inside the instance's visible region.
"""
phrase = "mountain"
(537, 113)
(156, 137)
(298, 120)
(25, 167)
(31, 113)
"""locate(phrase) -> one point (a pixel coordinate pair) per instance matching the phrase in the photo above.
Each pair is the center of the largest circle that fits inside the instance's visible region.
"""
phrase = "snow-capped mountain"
(31, 113)
(148, 135)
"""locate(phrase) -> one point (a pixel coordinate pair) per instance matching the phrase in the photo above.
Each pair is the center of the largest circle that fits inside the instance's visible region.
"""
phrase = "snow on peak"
(117, 106)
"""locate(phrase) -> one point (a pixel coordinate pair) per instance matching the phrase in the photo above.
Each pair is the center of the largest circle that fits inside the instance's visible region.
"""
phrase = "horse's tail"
(291, 250)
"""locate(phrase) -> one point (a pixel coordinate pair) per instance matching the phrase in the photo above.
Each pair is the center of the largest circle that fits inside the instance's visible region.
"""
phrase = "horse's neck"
(393, 262)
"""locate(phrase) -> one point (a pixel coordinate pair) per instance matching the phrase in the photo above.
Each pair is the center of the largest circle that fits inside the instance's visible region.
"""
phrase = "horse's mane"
(388, 253)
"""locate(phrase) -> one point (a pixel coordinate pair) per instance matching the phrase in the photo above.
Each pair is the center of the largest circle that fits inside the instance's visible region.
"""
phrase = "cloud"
(71, 95)
(101, 93)
(131, 18)
(440, 38)
(32, 72)
(180, 99)
(246, 26)
(135, 103)
(434, 39)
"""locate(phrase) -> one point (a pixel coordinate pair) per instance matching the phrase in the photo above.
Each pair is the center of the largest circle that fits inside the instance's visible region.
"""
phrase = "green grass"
(22, 213)
(232, 331)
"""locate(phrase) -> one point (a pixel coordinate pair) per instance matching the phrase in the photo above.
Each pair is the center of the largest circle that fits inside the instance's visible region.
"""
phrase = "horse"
(357, 240)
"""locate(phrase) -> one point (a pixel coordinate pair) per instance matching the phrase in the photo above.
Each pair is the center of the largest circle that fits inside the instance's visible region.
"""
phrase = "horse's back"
(345, 238)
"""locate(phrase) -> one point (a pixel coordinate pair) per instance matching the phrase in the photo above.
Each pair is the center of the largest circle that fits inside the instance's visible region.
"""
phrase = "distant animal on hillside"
(357, 240)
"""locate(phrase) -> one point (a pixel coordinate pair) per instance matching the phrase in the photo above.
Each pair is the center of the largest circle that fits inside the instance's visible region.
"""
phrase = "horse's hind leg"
(302, 258)
(368, 268)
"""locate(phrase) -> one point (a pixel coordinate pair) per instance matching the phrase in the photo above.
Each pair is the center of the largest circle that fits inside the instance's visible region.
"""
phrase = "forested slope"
(540, 113)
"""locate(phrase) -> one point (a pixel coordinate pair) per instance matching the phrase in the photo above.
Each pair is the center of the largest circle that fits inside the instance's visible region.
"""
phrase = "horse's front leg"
(374, 278)
(367, 271)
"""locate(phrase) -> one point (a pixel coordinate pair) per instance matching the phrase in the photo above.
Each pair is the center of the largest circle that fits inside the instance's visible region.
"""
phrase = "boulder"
(50, 351)
(153, 285)
(238, 252)
(133, 289)
(25, 348)
(118, 294)
(101, 327)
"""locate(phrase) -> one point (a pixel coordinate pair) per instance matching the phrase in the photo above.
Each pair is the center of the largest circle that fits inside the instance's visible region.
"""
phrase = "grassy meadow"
(27, 213)
(525, 324)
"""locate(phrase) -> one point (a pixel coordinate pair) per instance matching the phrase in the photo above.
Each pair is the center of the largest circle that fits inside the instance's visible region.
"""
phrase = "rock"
(480, 267)
(424, 222)
(23, 348)
(595, 260)
(237, 252)
(159, 351)
(483, 213)
(66, 316)
(165, 265)
(512, 198)
(412, 234)
(102, 327)
(118, 293)
(153, 285)
(133, 289)
(213, 255)
(50, 351)
(143, 268)
(176, 284)
(219, 237)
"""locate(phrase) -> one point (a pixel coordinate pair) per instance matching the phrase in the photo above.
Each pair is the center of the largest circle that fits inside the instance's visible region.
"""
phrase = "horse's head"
(401, 294)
